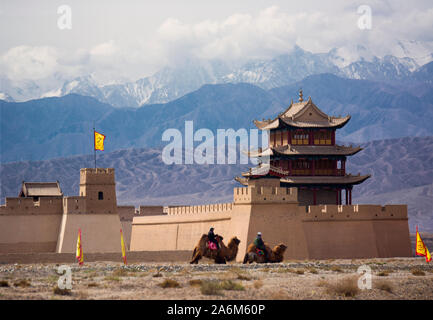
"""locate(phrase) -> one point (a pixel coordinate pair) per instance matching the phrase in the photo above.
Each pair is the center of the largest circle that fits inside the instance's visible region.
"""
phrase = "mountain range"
(171, 83)
(401, 169)
(59, 127)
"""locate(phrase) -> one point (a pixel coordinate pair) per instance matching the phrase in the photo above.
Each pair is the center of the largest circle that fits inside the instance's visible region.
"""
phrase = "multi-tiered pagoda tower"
(302, 153)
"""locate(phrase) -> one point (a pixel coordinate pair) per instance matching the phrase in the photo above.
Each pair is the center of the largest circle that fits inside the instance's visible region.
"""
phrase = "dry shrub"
(112, 278)
(336, 269)
(384, 285)
(120, 272)
(93, 284)
(418, 272)
(157, 275)
(313, 270)
(4, 283)
(23, 283)
(243, 277)
(215, 287)
(258, 284)
(169, 283)
(322, 283)
(210, 288)
(279, 295)
(195, 282)
(230, 285)
(383, 273)
(61, 292)
(299, 271)
(284, 270)
(347, 287)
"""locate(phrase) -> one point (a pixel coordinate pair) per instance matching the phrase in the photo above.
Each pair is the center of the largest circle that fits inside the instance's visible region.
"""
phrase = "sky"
(119, 41)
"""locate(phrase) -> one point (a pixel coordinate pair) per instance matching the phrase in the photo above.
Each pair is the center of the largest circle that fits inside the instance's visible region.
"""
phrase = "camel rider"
(212, 238)
(260, 245)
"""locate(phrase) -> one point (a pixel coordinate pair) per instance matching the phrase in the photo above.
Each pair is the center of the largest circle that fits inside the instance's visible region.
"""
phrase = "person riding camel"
(260, 245)
(212, 237)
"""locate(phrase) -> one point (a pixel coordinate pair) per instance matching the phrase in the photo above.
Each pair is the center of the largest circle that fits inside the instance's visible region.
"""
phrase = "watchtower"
(99, 189)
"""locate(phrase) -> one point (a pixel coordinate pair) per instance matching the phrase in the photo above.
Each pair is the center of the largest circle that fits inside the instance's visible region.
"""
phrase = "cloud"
(238, 37)
(29, 62)
(104, 49)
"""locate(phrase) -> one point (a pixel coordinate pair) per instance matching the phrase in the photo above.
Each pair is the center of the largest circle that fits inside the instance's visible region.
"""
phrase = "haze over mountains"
(173, 82)
(402, 172)
(56, 127)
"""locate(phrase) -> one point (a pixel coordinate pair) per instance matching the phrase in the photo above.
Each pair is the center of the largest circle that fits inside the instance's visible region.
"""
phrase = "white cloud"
(239, 36)
(25, 62)
(104, 49)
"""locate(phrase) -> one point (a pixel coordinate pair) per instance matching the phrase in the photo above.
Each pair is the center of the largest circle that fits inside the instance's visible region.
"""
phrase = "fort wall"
(151, 210)
(99, 222)
(51, 224)
(27, 225)
(175, 231)
(126, 214)
(310, 232)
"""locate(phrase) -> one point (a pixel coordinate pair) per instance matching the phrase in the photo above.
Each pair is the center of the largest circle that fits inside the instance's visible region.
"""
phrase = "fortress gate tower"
(302, 153)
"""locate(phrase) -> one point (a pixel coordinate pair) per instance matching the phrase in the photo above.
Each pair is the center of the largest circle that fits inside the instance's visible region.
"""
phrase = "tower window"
(100, 195)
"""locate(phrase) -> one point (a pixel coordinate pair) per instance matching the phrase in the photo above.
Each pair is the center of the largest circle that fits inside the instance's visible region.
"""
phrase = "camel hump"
(203, 237)
(251, 247)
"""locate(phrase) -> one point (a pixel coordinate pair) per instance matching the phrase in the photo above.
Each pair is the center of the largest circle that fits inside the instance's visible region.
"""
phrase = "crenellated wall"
(264, 195)
(29, 226)
(94, 213)
(51, 224)
(310, 232)
(208, 208)
(26, 206)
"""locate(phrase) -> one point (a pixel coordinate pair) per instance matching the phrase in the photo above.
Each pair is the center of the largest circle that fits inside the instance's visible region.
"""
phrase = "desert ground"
(392, 278)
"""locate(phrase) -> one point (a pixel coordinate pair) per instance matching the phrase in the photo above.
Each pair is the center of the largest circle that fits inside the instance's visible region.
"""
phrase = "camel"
(223, 254)
(274, 255)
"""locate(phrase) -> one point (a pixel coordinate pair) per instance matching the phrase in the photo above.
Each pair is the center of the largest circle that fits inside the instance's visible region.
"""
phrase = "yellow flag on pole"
(421, 248)
(122, 243)
(99, 141)
(79, 254)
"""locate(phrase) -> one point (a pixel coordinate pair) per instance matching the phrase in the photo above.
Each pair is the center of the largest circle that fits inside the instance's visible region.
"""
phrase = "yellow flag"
(79, 254)
(122, 243)
(421, 249)
(99, 141)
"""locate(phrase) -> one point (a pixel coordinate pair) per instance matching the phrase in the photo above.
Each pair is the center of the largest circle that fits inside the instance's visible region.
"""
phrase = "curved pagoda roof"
(303, 114)
(347, 179)
(295, 150)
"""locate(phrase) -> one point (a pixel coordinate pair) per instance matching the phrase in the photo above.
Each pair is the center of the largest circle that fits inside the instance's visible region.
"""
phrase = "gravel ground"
(393, 278)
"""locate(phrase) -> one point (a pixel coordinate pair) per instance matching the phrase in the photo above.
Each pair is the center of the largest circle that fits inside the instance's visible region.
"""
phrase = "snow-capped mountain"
(353, 62)
(6, 97)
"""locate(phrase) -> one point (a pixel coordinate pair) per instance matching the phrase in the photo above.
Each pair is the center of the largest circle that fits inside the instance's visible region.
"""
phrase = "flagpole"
(94, 145)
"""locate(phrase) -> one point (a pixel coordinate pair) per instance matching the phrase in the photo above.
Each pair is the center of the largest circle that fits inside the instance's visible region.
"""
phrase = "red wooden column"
(343, 167)
(282, 133)
(314, 197)
(313, 167)
(336, 193)
(350, 196)
(289, 137)
(333, 137)
(347, 196)
(290, 166)
(335, 167)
